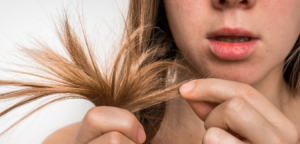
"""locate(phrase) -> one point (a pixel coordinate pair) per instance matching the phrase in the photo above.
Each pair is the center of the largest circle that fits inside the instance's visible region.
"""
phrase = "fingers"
(101, 120)
(199, 92)
(218, 91)
(237, 115)
(112, 138)
(219, 136)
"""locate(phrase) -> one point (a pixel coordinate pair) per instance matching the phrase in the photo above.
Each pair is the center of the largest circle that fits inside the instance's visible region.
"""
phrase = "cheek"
(281, 14)
(279, 26)
(188, 22)
(281, 8)
(185, 18)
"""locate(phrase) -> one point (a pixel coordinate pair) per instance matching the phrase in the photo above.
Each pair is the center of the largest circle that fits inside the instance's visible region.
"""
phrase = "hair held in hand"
(141, 80)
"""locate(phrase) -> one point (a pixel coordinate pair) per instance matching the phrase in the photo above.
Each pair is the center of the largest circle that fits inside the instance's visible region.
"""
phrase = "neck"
(274, 87)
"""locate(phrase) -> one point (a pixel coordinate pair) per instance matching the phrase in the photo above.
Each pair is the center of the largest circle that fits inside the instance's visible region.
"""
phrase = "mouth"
(232, 44)
(232, 33)
(232, 39)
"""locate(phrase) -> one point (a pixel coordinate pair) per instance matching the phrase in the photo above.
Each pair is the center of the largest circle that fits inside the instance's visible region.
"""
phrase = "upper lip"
(239, 32)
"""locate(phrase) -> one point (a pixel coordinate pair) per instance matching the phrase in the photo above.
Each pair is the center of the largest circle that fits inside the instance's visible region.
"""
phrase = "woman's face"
(274, 27)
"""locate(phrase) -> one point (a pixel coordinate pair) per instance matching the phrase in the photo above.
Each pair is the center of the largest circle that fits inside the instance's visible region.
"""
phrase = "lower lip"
(232, 51)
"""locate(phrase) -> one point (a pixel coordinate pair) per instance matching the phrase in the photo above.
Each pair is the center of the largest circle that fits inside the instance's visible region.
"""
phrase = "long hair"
(291, 69)
(141, 80)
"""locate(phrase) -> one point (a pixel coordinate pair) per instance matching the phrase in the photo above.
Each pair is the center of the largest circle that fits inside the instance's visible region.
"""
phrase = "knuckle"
(234, 106)
(212, 136)
(93, 115)
(115, 138)
(103, 113)
(129, 120)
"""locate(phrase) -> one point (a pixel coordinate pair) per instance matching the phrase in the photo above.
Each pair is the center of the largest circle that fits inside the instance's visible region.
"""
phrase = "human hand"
(109, 125)
(236, 113)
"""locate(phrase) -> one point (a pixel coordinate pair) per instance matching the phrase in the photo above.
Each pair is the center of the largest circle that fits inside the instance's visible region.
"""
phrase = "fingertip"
(187, 87)
(141, 135)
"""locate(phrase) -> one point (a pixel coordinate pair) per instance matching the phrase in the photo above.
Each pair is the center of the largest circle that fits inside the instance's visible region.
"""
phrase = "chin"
(239, 73)
(247, 71)
(238, 78)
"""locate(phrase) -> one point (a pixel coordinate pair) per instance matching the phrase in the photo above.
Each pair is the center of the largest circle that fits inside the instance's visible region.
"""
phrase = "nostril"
(241, 1)
(222, 1)
(244, 1)
(223, 4)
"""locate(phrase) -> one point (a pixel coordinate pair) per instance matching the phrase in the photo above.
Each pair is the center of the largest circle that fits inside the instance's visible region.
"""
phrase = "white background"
(20, 19)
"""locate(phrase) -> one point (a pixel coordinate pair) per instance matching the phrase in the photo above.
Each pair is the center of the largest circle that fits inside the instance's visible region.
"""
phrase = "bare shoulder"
(63, 135)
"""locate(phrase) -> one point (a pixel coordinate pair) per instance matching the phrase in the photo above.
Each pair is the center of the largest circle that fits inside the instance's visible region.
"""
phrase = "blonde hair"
(137, 81)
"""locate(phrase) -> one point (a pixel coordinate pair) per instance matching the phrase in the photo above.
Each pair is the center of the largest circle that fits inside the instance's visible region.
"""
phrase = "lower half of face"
(249, 70)
(274, 25)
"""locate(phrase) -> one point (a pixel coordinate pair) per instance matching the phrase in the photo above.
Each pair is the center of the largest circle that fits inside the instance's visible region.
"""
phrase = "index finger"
(218, 91)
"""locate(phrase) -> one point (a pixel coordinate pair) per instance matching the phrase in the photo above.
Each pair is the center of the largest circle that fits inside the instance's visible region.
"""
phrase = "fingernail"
(141, 135)
(187, 87)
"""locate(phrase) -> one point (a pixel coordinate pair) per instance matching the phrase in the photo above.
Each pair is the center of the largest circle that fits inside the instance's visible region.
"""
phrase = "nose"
(223, 4)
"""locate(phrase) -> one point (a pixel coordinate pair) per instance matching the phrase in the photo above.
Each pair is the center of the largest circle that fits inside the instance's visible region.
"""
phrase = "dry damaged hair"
(141, 80)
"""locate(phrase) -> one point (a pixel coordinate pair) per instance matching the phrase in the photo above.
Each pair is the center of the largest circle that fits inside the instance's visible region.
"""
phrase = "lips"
(232, 50)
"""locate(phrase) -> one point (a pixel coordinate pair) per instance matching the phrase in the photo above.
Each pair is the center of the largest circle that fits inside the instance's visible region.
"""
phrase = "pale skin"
(252, 102)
